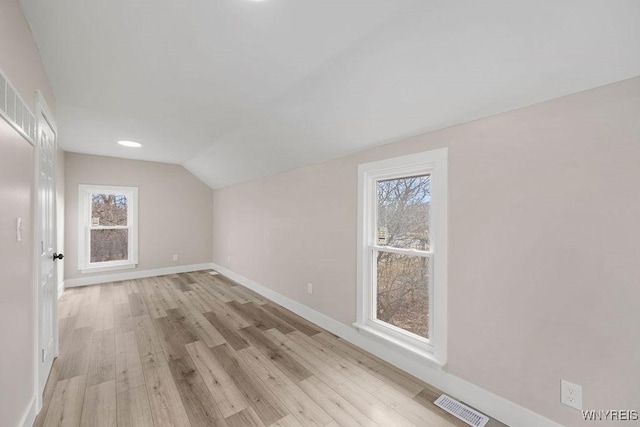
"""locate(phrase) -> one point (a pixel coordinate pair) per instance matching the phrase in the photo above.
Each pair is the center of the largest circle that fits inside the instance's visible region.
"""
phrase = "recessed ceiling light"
(131, 144)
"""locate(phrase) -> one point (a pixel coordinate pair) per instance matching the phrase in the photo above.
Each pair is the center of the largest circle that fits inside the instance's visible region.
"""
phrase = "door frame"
(42, 109)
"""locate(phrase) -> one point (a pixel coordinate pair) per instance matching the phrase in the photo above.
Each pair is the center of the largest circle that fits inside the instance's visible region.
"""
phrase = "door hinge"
(43, 354)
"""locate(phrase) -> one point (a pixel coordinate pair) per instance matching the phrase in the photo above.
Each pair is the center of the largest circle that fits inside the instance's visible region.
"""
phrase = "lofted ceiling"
(238, 89)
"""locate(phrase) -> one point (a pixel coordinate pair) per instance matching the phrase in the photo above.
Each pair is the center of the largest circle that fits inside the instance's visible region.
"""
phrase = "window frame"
(85, 192)
(434, 163)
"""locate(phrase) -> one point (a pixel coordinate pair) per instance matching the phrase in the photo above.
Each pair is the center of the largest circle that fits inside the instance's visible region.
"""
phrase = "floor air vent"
(461, 411)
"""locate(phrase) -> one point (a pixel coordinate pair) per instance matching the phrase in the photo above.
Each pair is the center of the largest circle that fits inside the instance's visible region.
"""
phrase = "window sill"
(402, 345)
(103, 268)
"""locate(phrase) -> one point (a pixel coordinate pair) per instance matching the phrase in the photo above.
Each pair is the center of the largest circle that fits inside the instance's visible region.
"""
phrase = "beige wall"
(20, 61)
(16, 287)
(174, 210)
(544, 220)
(19, 56)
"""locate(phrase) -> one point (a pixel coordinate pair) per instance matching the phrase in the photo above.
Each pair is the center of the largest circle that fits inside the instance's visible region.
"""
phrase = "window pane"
(403, 212)
(109, 245)
(108, 209)
(403, 292)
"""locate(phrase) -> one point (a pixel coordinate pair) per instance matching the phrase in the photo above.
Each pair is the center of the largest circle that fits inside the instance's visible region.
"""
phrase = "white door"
(47, 276)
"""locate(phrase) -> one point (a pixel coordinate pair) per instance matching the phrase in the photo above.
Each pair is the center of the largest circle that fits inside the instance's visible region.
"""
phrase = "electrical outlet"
(228, 259)
(175, 257)
(571, 394)
(310, 288)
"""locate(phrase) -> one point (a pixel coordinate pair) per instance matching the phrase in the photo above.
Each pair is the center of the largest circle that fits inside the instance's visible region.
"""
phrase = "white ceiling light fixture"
(131, 144)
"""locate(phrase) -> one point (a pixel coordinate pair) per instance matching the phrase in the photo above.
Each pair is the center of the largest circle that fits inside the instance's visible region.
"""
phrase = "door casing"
(41, 371)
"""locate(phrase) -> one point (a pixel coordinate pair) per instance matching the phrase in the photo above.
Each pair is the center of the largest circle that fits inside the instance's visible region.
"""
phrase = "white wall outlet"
(571, 394)
(310, 288)
(228, 259)
(175, 257)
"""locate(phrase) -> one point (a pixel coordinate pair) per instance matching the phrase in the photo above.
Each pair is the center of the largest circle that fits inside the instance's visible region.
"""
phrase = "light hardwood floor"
(196, 349)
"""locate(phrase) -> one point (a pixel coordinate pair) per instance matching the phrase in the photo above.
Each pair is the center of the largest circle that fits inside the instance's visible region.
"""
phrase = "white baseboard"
(477, 397)
(29, 415)
(130, 275)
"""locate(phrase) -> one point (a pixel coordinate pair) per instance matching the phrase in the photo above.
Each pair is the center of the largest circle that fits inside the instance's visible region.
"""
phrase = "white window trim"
(435, 163)
(84, 222)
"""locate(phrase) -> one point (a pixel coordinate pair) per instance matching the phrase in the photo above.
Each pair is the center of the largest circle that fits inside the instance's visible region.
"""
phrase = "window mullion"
(401, 251)
(109, 227)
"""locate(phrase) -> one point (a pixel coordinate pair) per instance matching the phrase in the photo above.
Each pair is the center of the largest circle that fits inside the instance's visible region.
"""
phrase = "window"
(108, 228)
(402, 252)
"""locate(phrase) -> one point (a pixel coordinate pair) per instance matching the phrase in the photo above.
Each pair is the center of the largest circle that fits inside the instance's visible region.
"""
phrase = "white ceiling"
(237, 89)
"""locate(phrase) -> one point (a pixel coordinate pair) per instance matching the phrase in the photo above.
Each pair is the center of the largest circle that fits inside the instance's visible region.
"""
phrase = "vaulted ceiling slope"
(237, 89)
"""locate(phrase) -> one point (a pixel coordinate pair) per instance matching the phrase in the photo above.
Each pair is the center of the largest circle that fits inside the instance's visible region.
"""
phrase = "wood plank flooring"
(196, 349)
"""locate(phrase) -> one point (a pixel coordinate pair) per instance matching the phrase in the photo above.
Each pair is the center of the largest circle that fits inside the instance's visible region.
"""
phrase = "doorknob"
(57, 256)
